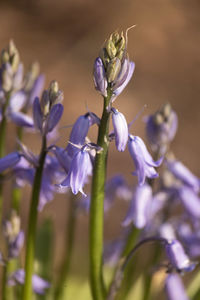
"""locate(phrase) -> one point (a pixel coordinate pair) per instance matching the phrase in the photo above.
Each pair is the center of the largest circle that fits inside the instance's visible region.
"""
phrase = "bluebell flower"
(79, 131)
(120, 129)
(144, 163)
(9, 161)
(177, 256)
(161, 128)
(39, 285)
(181, 172)
(190, 201)
(138, 213)
(80, 169)
(191, 239)
(174, 287)
(100, 80)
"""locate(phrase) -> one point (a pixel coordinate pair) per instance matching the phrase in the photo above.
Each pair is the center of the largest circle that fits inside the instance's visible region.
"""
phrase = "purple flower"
(190, 201)
(177, 256)
(80, 131)
(138, 212)
(39, 284)
(80, 169)
(182, 173)
(161, 127)
(144, 163)
(9, 161)
(100, 80)
(120, 129)
(174, 288)
(16, 245)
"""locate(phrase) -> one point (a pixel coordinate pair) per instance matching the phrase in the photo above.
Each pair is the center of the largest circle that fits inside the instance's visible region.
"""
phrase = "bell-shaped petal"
(174, 288)
(138, 213)
(100, 79)
(190, 201)
(17, 101)
(78, 134)
(39, 285)
(16, 245)
(120, 89)
(36, 89)
(120, 129)
(9, 161)
(144, 163)
(37, 114)
(80, 169)
(182, 173)
(21, 119)
(54, 117)
(177, 256)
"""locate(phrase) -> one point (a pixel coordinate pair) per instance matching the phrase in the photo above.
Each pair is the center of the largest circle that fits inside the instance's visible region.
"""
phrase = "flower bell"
(144, 163)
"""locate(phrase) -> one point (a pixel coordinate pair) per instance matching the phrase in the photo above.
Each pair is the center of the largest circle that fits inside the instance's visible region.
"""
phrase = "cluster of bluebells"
(70, 168)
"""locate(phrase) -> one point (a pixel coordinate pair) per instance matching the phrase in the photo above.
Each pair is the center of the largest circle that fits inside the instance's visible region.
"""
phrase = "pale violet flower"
(120, 129)
(80, 169)
(9, 161)
(174, 287)
(144, 162)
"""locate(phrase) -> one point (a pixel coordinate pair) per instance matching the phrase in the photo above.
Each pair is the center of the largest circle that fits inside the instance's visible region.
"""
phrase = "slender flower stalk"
(31, 234)
(97, 206)
(70, 235)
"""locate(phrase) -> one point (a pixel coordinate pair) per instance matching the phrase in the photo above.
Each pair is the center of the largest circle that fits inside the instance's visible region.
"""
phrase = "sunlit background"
(65, 38)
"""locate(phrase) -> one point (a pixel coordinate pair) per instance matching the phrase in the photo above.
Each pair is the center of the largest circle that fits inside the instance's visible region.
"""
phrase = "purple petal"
(182, 173)
(37, 114)
(21, 119)
(78, 134)
(140, 207)
(54, 117)
(128, 78)
(80, 169)
(177, 256)
(174, 288)
(190, 201)
(16, 245)
(9, 161)
(120, 130)
(37, 88)
(100, 80)
(17, 101)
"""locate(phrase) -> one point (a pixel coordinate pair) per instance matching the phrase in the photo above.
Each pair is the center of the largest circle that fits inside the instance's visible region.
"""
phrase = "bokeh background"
(65, 38)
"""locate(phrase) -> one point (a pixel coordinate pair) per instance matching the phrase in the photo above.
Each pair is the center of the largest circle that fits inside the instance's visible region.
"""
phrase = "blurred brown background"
(65, 38)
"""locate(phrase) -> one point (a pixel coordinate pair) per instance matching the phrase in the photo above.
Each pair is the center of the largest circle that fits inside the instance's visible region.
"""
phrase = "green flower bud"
(121, 44)
(6, 80)
(110, 47)
(55, 95)
(104, 56)
(158, 118)
(113, 69)
(166, 110)
(115, 37)
(15, 61)
(12, 50)
(45, 103)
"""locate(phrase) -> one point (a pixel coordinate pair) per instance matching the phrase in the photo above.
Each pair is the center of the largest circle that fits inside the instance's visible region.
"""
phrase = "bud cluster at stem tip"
(112, 69)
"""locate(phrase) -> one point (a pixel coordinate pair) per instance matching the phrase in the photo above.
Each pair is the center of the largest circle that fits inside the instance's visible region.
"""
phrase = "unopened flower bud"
(7, 78)
(55, 95)
(4, 57)
(113, 69)
(110, 47)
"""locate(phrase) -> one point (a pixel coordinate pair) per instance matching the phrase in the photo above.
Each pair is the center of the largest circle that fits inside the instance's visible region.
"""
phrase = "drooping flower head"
(80, 169)
(139, 211)
(112, 68)
(120, 129)
(144, 163)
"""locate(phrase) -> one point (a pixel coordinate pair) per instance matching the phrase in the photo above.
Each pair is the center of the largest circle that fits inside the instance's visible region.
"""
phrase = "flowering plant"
(164, 205)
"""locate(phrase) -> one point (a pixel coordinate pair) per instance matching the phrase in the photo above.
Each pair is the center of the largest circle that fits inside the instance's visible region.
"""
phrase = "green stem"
(2, 146)
(30, 242)
(16, 192)
(61, 287)
(97, 207)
